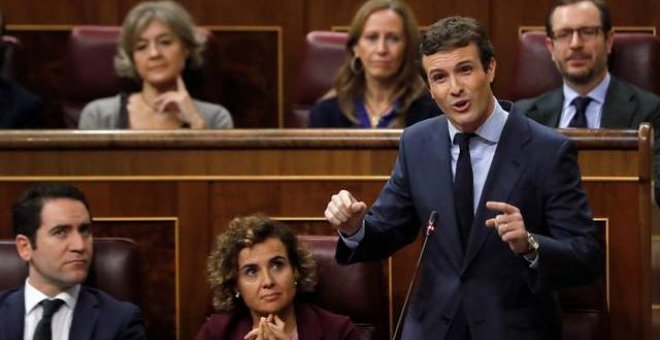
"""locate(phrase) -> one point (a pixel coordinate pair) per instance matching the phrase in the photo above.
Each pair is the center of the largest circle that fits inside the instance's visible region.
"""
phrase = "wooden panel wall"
(297, 17)
(178, 190)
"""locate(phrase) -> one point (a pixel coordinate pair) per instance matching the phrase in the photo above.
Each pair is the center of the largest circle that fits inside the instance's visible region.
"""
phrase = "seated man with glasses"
(579, 40)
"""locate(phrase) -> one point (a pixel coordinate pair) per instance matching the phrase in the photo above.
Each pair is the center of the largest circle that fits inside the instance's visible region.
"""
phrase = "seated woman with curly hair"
(258, 271)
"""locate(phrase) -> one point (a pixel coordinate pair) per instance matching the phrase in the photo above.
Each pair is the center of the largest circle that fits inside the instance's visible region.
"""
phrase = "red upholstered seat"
(90, 69)
(324, 52)
(635, 58)
(358, 290)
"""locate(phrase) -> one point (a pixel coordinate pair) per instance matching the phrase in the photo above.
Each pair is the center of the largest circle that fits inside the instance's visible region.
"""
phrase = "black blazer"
(97, 316)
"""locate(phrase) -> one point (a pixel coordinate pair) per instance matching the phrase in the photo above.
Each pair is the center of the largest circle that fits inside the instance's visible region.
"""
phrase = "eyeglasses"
(585, 33)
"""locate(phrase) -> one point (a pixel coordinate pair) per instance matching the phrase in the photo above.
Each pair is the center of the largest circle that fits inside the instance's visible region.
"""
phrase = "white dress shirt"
(594, 110)
(482, 149)
(61, 321)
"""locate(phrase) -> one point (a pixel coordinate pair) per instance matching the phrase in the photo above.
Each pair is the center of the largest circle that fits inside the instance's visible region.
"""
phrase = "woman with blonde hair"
(258, 272)
(157, 43)
(379, 84)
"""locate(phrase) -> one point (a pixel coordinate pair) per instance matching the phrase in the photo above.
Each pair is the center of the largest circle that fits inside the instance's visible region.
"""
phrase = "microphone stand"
(430, 228)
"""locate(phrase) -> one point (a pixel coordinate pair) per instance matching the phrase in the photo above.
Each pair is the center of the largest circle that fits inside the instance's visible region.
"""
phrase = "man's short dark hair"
(455, 32)
(26, 211)
(605, 16)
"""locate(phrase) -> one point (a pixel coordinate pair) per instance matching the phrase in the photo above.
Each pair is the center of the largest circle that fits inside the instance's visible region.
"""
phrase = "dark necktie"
(463, 188)
(43, 330)
(580, 118)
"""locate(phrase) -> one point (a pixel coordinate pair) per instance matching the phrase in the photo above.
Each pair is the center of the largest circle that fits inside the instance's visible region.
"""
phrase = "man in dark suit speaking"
(52, 225)
(580, 39)
(514, 222)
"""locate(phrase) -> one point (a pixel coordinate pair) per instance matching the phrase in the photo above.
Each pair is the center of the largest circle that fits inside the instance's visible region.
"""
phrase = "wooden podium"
(174, 191)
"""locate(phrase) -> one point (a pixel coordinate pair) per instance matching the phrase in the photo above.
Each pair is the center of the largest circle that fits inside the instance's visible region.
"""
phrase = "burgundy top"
(312, 322)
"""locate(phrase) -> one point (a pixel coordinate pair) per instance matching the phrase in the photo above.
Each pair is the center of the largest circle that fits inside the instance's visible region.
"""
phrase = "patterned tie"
(580, 118)
(43, 330)
(463, 188)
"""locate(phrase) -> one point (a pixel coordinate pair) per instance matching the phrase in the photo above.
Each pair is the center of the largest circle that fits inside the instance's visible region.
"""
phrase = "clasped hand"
(269, 328)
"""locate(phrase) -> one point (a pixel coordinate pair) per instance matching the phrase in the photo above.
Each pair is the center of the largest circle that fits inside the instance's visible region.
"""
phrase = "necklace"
(376, 115)
(374, 120)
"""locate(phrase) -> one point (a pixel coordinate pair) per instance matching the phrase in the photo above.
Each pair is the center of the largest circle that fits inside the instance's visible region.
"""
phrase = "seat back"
(113, 270)
(90, 69)
(9, 46)
(635, 58)
(324, 52)
(358, 290)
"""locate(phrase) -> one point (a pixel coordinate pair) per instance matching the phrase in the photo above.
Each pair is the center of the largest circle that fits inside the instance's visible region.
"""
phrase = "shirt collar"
(597, 94)
(33, 296)
(491, 129)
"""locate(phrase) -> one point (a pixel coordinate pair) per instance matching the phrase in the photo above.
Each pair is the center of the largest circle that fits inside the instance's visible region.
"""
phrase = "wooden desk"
(174, 191)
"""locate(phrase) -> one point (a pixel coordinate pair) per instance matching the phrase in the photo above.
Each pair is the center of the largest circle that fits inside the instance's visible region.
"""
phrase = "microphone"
(430, 228)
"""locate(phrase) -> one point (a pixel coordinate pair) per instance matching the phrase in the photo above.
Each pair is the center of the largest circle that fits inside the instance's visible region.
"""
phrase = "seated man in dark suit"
(19, 108)
(53, 230)
(580, 39)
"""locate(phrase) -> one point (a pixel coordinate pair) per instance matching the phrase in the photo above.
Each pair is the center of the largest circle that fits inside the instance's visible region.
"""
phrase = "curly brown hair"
(245, 232)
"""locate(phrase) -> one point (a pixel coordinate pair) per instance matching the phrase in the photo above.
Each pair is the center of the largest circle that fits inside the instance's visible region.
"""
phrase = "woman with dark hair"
(157, 42)
(379, 84)
(258, 271)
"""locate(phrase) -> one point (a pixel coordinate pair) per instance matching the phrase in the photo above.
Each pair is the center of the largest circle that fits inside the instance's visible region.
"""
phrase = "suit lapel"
(506, 169)
(619, 106)
(446, 235)
(85, 316)
(547, 110)
(13, 315)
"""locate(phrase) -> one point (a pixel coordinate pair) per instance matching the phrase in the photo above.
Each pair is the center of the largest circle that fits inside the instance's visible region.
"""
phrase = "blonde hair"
(350, 83)
(245, 232)
(172, 15)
